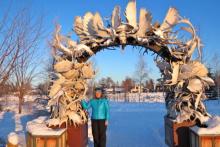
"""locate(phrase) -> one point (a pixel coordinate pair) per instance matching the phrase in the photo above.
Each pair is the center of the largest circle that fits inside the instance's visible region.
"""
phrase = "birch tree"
(141, 74)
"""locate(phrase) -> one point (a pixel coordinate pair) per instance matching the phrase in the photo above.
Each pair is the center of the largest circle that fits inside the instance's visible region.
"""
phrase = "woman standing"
(100, 117)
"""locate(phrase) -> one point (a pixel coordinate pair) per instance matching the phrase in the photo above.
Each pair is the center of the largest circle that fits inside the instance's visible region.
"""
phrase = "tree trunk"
(139, 95)
(125, 97)
(139, 91)
(20, 104)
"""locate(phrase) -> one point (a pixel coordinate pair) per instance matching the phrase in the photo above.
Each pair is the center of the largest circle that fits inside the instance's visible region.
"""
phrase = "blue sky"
(204, 14)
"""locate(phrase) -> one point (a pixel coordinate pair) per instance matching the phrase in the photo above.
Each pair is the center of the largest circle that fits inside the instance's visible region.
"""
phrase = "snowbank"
(13, 138)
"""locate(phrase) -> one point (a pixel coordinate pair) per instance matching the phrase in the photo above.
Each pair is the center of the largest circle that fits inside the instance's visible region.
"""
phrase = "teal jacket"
(100, 108)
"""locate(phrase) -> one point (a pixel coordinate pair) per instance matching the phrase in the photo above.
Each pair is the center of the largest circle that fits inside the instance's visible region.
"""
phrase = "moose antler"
(186, 79)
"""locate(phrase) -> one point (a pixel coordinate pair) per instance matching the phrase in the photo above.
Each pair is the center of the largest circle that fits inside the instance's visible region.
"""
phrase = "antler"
(144, 23)
(130, 13)
(116, 19)
(185, 79)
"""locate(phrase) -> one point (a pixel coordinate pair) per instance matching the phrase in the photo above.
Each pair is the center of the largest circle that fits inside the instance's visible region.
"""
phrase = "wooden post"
(11, 145)
(39, 135)
(46, 140)
(177, 134)
(77, 136)
(204, 139)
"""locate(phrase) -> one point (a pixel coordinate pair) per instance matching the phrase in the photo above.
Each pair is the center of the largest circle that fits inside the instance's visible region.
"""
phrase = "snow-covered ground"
(136, 125)
(131, 124)
(11, 121)
(141, 124)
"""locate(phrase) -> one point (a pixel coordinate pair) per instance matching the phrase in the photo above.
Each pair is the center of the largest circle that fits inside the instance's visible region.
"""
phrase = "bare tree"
(106, 82)
(141, 73)
(127, 84)
(215, 69)
(92, 82)
(29, 32)
(109, 82)
(9, 51)
(150, 85)
(215, 64)
(46, 76)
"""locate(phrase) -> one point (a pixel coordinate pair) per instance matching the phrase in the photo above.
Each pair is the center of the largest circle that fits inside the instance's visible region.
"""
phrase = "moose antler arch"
(185, 78)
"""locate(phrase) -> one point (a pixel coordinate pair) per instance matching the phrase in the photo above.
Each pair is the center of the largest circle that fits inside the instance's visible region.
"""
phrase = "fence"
(135, 97)
(213, 93)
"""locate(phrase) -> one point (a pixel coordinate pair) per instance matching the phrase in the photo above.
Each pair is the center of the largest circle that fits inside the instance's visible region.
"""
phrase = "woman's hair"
(99, 89)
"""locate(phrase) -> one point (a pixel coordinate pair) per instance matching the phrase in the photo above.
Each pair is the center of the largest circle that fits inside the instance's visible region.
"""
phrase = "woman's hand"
(106, 123)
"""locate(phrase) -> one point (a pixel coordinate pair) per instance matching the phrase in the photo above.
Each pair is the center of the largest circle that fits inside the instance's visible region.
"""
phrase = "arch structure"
(174, 41)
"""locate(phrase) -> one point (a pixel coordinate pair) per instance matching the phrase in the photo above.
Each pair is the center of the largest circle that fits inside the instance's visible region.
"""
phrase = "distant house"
(212, 92)
(119, 90)
(109, 90)
(159, 88)
(114, 90)
(146, 90)
(137, 88)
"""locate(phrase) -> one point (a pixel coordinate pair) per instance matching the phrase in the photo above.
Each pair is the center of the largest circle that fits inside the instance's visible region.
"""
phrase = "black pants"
(99, 132)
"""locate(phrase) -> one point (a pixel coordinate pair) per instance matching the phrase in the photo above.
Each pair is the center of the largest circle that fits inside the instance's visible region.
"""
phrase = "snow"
(13, 138)
(38, 127)
(131, 124)
(11, 121)
(140, 124)
(135, 125)
(212, 129)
